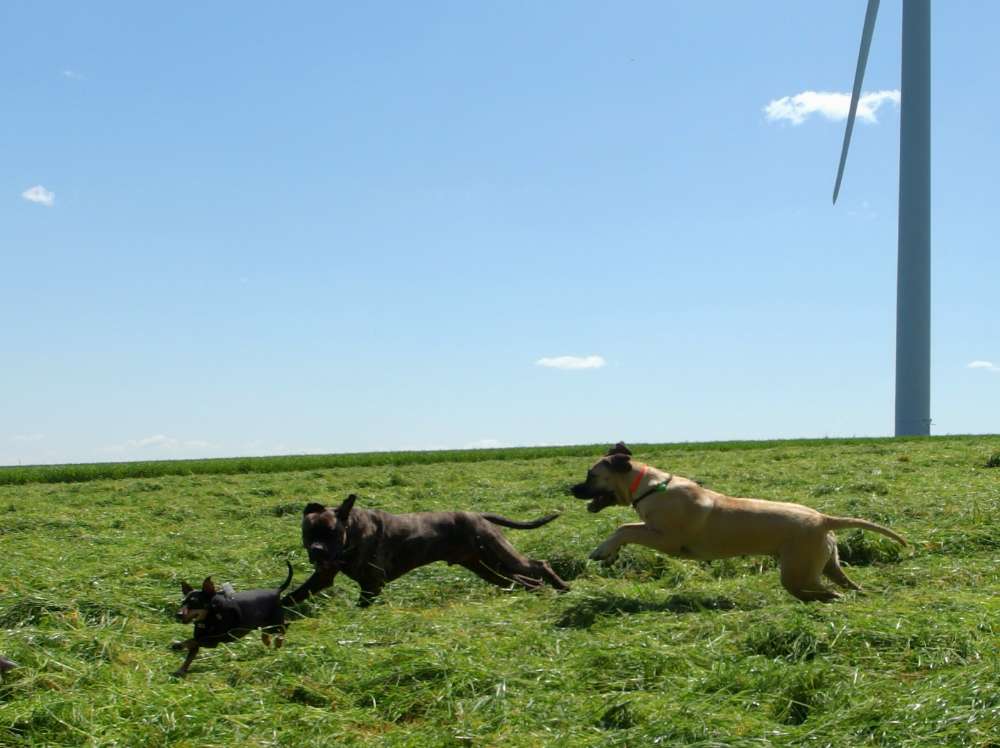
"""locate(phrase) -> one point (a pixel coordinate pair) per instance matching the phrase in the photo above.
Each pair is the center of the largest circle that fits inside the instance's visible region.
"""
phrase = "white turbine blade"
(859, 78)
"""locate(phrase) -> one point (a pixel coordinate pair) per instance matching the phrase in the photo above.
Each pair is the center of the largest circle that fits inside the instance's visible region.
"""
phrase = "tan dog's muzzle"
(600, 486)
(599, 498)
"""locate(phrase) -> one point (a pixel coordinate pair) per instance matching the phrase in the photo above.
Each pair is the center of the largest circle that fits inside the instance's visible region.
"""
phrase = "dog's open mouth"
(599, 498)
(598, 503)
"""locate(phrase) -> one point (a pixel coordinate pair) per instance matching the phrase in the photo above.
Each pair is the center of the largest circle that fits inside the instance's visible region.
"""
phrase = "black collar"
(653, 489)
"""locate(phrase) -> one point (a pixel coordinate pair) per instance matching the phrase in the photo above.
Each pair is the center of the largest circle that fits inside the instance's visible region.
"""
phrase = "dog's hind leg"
(528, 572)
(549, 575)
(833, 571)
(500, 563)
(529, 583)
(501, 577)
(811, 590)
(274, 635)
(800, 574)
(494, 571)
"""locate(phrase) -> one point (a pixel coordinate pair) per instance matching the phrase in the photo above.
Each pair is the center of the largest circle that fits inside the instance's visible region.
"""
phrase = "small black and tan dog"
(221, 616)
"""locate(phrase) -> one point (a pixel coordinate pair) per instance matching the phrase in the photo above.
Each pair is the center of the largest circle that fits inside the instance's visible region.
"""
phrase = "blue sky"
(240, 228)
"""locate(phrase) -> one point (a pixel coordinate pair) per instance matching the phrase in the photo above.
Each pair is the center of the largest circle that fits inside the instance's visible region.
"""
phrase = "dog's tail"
(288, 579)
(496, 519)
(836, 523)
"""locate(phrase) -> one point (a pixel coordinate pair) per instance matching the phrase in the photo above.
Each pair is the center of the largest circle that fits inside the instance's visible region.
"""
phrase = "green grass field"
(652, 651)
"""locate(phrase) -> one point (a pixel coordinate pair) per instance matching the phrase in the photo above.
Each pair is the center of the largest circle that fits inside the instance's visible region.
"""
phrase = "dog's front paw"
(604, 555)
(179, 673)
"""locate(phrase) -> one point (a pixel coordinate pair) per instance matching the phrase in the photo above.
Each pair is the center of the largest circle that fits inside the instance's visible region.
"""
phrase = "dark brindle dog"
(373, 547)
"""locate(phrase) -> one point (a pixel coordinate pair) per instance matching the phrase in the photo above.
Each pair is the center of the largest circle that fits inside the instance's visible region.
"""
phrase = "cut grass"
(650, 650)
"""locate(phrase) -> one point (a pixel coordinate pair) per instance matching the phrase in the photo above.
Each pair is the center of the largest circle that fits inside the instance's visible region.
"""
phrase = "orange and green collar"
(634, 486)
(638, 479)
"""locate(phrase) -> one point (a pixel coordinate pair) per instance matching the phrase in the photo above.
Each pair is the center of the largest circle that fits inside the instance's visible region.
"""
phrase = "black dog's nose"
(579, 491)
(317, 552)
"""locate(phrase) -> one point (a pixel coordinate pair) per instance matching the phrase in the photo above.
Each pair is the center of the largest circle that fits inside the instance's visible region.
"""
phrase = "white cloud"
(259, 447)
(40, 195)
(485, 444)
(159, 442)
(72, 75)
(835, 106)
(987, 365)
(571, 362)
(27, 437)
(411, 447)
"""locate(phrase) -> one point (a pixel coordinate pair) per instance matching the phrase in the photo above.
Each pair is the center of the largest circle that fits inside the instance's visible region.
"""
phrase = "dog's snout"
(317, 552)
(579, 490)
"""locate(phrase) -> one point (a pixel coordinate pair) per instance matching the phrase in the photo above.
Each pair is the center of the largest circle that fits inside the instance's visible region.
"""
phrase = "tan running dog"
(681, 518)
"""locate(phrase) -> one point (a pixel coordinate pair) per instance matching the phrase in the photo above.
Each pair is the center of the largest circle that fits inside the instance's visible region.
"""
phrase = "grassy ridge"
(651, 649)
(83, 472)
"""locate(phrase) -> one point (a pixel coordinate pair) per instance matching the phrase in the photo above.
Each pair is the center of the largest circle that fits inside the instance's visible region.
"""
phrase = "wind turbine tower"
(913, 280)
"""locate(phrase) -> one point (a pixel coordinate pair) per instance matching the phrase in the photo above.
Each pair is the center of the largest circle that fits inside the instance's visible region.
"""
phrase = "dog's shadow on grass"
(583, 614)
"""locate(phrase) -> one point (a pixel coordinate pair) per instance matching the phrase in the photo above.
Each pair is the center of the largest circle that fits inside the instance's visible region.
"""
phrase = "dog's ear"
(619, 463)
(208, 586)
(619, 449)
(344, 510)
(186, 588)
(313, 508)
